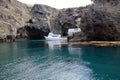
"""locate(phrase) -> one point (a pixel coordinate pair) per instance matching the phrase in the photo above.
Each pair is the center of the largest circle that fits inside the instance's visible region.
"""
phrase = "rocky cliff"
(42, 21)
(46, 19)
(69, 18)
(101, 21)
(13, 15)
(19, 21)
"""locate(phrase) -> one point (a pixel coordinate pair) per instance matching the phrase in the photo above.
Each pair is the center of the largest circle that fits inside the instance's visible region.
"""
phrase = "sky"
(59, 3)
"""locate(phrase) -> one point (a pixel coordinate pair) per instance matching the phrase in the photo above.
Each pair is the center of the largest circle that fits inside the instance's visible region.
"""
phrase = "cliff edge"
(99, 21)
(13, 15)
(102, 21)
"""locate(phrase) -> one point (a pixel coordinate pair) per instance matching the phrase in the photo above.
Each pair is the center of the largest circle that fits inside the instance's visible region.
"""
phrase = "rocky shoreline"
(93, 43)
(99, 22)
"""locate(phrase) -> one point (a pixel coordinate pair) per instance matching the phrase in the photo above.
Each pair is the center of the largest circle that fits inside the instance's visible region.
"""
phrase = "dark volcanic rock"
(43, 21)
(112, 2)
(69, 18)
(46, 19)
(13, 15)
(58, 21)
(102, 21)
(99, 21)
(45, 16)
(35, 22)
(31, 32)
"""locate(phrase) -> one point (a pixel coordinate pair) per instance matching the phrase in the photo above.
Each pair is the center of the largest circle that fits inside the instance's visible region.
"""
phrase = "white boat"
(52, 37)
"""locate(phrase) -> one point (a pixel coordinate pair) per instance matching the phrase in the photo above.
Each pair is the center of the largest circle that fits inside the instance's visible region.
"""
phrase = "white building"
(73, 31)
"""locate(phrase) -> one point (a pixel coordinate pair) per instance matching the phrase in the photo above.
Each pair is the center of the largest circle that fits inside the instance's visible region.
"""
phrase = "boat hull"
(55, 38)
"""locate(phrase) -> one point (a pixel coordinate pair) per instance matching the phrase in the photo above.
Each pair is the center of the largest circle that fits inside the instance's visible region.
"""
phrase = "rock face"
(98, 22)
(69, 18)
(46, 19)
(32, 32)
(35, 22)
(13, 15)
(101, 21)
(43, 20)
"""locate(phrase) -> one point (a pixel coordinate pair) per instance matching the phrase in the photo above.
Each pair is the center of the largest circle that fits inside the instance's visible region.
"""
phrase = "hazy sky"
(59, 3)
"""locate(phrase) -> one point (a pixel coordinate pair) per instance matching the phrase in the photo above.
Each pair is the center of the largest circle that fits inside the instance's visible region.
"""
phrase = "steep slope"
(13, 15)
(69, 18)
(46, 19)
(102, 21)
(18, 20)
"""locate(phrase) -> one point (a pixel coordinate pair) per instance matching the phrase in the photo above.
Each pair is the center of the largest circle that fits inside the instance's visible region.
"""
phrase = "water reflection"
(53, 44)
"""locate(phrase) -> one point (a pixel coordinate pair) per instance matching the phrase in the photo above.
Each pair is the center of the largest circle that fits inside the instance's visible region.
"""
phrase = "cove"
(42, 60)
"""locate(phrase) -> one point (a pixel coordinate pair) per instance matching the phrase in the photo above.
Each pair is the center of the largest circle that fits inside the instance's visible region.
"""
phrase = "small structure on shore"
(73, 31)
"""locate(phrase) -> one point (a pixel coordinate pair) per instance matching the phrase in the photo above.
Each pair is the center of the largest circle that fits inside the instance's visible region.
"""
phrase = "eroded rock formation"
(13, 15)
(98, 22)
(69, 18)
(46, 19)
(102, 21)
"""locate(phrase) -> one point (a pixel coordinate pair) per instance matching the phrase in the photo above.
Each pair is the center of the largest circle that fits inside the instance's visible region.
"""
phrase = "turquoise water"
(40, 60)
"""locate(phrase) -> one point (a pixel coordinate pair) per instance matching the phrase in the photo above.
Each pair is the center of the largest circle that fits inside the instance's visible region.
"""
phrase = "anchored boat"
(52, 36)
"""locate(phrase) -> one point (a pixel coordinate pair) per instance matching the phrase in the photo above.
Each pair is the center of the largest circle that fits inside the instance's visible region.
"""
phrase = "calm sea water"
(41, 60)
